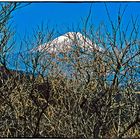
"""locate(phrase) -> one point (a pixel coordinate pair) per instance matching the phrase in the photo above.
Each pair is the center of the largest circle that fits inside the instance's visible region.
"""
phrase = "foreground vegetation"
(83, 103)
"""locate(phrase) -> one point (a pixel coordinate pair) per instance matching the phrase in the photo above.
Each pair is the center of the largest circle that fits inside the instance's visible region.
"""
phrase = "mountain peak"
(65, 42)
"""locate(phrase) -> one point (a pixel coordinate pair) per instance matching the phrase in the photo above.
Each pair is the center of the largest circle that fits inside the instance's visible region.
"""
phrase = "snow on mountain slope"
(65, 42)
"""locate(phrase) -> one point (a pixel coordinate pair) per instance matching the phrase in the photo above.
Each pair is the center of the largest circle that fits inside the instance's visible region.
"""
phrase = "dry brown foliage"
(83, 104)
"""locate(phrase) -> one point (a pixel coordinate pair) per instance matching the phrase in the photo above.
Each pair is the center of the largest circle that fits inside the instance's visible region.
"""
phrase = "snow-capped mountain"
(65, 42)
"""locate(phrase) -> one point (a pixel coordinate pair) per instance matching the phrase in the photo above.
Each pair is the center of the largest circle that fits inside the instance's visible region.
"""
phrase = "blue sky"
(63, 15)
